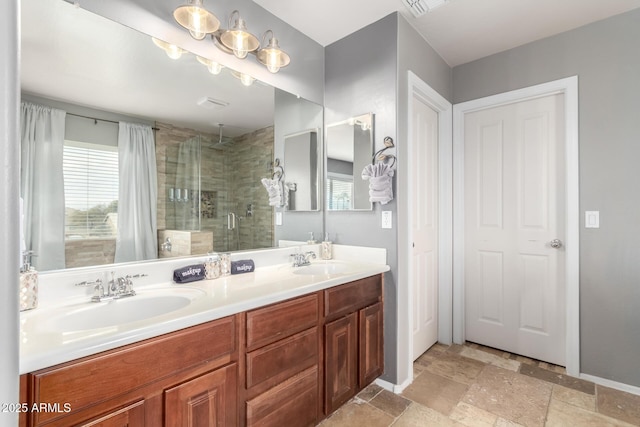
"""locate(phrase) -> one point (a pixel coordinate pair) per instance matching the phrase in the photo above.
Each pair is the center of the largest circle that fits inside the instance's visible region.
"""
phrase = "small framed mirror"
(302, 170)
(349, 150)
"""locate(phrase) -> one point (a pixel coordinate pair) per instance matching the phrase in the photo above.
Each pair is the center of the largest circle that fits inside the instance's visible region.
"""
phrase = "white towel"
(380, 176)
(274, 190)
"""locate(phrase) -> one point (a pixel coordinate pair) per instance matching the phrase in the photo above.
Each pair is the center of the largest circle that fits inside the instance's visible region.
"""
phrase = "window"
(339, 192)
(90, 190)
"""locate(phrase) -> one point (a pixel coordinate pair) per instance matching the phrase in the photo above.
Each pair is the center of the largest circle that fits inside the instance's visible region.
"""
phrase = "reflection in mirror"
(349, 150)
(207, 173)
(302, 170)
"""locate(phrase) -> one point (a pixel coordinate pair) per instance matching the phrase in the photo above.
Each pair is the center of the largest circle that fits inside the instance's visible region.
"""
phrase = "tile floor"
(472, 385)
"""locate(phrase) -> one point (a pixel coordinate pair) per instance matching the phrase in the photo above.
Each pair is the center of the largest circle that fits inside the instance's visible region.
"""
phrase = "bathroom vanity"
(289, 362)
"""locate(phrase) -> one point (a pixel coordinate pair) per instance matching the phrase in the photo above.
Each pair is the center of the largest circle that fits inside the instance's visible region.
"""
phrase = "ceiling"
(460, 31)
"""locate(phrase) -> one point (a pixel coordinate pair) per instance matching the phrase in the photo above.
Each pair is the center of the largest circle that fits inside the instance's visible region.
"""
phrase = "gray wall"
(606, 58)
(360, 77)
(9, 210)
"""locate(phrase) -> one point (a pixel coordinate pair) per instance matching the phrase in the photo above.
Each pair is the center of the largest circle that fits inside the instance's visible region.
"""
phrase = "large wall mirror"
(349, 149)
(214, 136)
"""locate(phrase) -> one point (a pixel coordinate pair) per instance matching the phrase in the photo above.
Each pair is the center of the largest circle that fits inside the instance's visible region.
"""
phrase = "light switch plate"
(592, 219)
(278, 218)
(387, 219)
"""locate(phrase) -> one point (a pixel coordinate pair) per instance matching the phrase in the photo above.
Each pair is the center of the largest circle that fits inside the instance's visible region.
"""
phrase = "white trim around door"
(418, 88)
(568, 87)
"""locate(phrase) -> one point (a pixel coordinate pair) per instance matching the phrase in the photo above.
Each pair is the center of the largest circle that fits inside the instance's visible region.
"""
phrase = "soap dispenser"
(312, 240)
(28, 283)
(326, 251)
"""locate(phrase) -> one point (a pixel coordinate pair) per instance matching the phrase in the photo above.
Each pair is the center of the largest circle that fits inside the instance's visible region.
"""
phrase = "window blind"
(339, 193)
(91, 190)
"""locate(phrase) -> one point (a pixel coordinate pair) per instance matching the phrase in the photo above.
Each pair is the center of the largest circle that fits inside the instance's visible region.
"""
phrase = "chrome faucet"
(117, 288)
(301, 259)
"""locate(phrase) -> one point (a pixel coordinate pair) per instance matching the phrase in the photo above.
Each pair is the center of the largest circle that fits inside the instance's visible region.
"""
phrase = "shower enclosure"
(213, 196)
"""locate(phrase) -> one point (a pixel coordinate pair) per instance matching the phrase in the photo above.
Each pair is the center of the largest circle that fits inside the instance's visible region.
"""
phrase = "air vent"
(420, 7)
(211, 103)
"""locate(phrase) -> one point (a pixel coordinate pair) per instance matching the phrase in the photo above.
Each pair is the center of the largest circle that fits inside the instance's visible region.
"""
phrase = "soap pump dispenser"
(312, 240)
(28, 283)
(327, 248)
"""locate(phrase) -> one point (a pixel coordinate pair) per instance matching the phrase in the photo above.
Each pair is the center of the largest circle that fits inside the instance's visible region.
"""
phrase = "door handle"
(556, 243)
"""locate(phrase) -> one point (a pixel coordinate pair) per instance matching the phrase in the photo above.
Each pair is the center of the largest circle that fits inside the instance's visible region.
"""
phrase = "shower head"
(222, 142)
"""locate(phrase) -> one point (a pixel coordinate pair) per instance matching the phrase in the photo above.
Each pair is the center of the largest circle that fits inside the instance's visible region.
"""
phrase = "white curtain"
(137, 196)
(42, 184)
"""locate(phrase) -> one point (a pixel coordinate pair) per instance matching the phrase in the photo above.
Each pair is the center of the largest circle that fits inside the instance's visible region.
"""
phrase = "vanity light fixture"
(172, 51)
(238, 38)
(246, 79)
(195, 18)
(271, 55)
(213, 66)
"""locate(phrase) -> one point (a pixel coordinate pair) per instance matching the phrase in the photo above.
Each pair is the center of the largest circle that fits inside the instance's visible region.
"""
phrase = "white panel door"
(514, 210)
(424, 226)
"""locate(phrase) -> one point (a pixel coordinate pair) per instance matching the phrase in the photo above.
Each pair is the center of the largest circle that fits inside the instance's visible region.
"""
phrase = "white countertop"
(47, 339)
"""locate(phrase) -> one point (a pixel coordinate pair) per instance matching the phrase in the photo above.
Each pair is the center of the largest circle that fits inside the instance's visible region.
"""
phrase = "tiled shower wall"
(231, 174)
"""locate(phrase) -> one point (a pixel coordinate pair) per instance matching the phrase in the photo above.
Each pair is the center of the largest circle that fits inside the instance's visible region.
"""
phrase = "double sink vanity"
(282, 345)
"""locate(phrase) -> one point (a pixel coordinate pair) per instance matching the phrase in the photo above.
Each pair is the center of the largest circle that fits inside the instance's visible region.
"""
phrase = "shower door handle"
(231, 221)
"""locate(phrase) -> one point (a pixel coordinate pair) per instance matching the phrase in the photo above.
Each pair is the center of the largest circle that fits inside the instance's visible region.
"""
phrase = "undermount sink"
(126, 310)
(321, 269)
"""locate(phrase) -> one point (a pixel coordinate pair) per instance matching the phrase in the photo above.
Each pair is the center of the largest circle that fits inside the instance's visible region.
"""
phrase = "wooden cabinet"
(129, 416)
(354, 354)
(205, 401)
(125, 386)
(289, 363)
(282, 375)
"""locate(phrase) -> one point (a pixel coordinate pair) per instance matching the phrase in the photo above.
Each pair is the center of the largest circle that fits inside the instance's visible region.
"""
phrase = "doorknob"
(555, 243)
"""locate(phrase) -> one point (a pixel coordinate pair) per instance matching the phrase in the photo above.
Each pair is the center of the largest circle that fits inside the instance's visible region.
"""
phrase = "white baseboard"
(611, 384)
(394, 388)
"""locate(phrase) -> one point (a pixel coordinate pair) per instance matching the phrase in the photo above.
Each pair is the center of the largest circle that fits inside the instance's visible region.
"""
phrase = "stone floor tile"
(418, 369)
(562, 414)
(472, 416)
(510, 395)
(618, 404)
(435, 392)
(358, 413)
(390, 403)
(457, 368)
(501, 422)
(370, 392)
(491, 359)
(455, 348)
(556, 378)
(421, 416)
(574, 397)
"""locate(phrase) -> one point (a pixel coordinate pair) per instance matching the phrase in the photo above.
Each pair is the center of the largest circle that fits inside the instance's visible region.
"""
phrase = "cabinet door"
(371, 346)
(209, 400)
(130, 416)
(341, 361)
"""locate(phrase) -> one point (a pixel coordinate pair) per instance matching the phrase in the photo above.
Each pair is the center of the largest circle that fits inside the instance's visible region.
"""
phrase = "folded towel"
(242, 266)
(190, 273)
(275, 190)
(380, 176)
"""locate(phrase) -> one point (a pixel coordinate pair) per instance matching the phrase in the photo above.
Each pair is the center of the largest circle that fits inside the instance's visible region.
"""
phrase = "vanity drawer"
(293, 402)
(268, 324)
(278, 361)
(94, 379)
(353, 296)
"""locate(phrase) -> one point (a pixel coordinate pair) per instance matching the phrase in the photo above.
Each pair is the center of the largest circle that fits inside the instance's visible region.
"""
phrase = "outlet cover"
(387, 219)
(278, 218)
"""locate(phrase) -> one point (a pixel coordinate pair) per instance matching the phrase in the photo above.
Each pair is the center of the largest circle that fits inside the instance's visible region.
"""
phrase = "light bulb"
(246, 79)
(240, 48)
(214, 68)
(173, 51)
